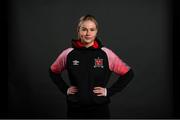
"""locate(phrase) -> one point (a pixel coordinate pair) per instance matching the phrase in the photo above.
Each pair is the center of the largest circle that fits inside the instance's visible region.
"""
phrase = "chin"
(88, 41)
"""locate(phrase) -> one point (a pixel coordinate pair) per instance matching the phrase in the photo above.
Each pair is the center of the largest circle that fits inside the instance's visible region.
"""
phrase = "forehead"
(88, 24)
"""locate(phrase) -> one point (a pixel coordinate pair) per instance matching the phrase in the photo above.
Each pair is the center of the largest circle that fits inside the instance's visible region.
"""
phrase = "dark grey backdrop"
(139, 31)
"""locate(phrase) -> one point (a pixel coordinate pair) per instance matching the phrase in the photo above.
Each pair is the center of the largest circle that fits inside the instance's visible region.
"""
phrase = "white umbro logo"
(75, 62)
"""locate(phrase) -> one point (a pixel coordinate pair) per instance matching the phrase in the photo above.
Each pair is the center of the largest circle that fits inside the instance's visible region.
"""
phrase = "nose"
(88, 32)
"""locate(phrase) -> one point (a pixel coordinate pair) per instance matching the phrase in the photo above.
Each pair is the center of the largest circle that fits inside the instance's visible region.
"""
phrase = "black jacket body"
(88, 68)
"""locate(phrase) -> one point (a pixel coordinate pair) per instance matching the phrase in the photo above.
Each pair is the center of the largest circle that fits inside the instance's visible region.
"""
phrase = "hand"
(72, 90)
(100, 91)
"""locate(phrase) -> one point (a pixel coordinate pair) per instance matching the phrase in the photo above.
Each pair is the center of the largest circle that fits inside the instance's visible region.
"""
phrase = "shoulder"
(66, 51)
(108, 51)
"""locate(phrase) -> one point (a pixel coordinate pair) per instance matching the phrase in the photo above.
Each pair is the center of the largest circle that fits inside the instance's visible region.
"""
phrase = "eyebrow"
(89, 28)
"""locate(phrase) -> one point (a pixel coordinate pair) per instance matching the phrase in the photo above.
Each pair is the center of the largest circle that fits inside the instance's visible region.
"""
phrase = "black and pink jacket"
(88, 68)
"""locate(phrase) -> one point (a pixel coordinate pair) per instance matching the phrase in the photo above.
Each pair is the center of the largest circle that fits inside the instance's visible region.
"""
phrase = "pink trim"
(115, 63)
(60, 63)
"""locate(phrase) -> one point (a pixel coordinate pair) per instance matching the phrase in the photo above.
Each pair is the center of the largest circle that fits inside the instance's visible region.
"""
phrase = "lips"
(88, 37)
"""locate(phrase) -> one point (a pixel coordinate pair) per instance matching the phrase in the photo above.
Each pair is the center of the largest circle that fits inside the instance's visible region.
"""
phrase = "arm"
(121, 83)
(60, 83)
(117, 66)
(56, 68)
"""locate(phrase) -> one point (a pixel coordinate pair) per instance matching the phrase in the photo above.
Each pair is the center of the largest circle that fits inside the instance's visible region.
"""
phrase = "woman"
(89, 65)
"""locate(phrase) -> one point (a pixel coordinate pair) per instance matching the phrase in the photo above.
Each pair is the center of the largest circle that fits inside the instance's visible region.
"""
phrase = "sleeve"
(119, 67)
(60, 63)
(56, 68)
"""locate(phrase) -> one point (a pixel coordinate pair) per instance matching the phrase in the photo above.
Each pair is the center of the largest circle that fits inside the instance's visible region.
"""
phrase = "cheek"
(95, 33)
(82, 34)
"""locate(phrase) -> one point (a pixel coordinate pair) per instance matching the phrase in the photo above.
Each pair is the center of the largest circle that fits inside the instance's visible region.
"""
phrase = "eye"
(83, 29)
(92, 29)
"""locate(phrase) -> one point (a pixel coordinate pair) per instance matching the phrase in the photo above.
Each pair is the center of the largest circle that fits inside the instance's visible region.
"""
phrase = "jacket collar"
(76, 43)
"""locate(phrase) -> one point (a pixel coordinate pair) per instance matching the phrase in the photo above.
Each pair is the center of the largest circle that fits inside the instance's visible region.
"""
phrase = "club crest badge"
(98, 63)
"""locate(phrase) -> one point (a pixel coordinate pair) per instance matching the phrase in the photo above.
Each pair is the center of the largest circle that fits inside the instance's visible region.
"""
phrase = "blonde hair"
(85, 18)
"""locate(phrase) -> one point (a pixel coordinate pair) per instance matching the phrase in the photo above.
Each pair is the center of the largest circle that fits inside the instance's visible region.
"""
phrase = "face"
(87, 32)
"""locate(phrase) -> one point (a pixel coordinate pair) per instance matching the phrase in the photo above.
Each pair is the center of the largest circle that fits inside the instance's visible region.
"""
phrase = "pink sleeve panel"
(60, 63)
(115, 63)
